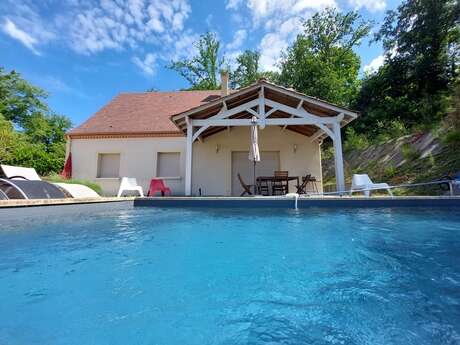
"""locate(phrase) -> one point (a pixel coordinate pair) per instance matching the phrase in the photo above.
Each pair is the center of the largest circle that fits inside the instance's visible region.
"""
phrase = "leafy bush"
(58, 178)
(409, 152)
(452, 138)
(355, 141)
(327, 152)
(390, 171)
(30, 134)
(397, 128)
(390, 130)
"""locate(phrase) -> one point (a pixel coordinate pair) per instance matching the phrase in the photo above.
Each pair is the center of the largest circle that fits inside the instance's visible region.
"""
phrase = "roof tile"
(147, 112)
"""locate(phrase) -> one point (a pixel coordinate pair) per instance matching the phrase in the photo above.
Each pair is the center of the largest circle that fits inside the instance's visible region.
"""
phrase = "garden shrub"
(355, 141)
(409, 152)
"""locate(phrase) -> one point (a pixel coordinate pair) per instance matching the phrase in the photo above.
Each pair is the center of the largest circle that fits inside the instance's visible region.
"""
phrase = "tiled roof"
(143, 113)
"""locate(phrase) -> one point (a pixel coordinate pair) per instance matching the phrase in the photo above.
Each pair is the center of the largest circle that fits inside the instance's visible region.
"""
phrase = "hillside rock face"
(412, 158)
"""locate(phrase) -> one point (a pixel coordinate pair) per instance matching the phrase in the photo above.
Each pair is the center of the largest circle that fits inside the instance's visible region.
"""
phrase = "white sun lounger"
(129, 184)
(78, 190)
(363, 183)
(13, 172)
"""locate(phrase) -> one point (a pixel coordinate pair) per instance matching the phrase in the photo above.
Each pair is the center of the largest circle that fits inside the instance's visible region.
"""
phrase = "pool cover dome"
(25, 189)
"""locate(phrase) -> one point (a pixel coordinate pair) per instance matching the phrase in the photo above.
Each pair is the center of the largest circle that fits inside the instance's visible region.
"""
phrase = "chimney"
(224, 90)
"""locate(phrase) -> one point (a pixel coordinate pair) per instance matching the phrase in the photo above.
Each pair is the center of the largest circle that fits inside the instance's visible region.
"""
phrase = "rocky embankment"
(408, 159)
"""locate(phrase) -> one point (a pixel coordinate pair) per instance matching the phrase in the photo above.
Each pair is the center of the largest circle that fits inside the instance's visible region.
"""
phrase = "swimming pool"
(230, 276)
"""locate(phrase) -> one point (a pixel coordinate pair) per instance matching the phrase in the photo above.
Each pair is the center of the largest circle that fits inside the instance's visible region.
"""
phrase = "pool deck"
(303, 202)
(67, 201)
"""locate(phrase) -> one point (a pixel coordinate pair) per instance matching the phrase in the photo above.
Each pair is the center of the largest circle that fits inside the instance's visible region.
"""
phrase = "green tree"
(30, 134)
(321, 61)
(18, 98)
(8, 139)
(201, 71)
(421, 41)
(247, 69)
(424, 35)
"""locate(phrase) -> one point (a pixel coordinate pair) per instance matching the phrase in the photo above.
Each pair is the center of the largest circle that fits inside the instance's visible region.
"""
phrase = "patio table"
(271, 179)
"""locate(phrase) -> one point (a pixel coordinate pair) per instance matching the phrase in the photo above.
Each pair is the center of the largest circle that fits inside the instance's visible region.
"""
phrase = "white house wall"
(211, 171)
(138, 158)
(212, 158)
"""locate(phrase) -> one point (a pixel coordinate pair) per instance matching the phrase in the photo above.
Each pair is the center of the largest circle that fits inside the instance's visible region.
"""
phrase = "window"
(168, 164)
(108, 165)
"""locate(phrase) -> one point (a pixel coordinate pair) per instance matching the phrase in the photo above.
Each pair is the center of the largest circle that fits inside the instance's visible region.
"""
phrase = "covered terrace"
(272, 105)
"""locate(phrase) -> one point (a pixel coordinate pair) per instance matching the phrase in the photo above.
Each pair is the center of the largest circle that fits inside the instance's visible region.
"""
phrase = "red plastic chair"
(158, 185)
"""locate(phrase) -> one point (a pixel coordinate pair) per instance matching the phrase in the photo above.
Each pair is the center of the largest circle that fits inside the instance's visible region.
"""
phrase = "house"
(198, 141)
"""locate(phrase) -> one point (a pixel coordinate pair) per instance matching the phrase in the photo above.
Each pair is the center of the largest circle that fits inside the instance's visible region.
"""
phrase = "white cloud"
(374, 65)
(147, 65)
(238, 40)
(14, 32)
(115, 25)
(230, 58)
(183, 46)
(281, 22)
(22, 21)
(266, 8)
(271, 46)
(277, 41)
(92, 26)
(370, 5)
(233, 4)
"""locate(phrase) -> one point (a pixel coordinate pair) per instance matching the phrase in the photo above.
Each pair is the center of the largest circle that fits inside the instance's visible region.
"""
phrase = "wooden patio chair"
(263, 187)
(281, 183)
(313, 184)
(301, 189)
(246, 187)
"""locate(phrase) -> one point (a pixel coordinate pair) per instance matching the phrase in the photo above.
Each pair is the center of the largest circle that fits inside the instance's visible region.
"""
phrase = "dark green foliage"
(409, 152)
(30, 135)
(421, 41)
(247, 69)
(452, 136)
(321, 62)
(355, 141)
(18, 98)
(201, 70)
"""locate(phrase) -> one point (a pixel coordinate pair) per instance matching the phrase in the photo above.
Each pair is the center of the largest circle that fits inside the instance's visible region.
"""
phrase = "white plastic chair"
(129, 184)
(16, 173)
(363, 183)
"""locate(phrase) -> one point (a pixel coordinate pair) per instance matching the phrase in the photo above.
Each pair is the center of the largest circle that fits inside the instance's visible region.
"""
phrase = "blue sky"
(84, 52)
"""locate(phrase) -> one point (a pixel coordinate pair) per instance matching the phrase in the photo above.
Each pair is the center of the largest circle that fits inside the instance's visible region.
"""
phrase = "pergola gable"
(271, 105)
(279, 106)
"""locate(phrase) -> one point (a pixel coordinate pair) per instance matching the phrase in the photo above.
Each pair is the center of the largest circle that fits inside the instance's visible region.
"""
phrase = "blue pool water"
(215, 276)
